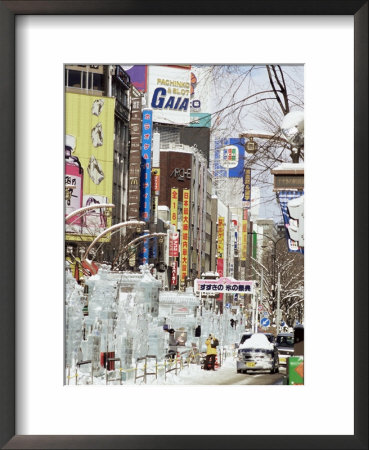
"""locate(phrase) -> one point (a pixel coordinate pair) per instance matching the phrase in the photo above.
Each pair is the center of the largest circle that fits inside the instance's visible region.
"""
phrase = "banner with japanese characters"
(220, 256)
(174, 207)
(223, 285)
(185, 234)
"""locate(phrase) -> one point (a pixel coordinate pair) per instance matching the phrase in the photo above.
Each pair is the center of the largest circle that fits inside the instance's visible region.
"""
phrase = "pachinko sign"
(185, 233)
(89, 143)
(169, 91)
(223, 285)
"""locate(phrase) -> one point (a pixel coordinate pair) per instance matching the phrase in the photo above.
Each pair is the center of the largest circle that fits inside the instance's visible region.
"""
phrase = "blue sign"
(145, 191)
(145, 198)
(229, 157)
(283, 324)
(265, 322)
(228, 305)
(284, 197)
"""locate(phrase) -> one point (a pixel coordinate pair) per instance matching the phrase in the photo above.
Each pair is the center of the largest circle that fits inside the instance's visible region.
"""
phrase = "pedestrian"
(211, 352)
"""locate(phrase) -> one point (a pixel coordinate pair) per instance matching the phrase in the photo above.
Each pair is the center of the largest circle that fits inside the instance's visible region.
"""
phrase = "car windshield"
(285, 341)
(244, 337)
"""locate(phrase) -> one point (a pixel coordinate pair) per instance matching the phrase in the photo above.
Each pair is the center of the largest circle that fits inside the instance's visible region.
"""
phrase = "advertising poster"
(185, 233)
(89, 129)
(200, 97)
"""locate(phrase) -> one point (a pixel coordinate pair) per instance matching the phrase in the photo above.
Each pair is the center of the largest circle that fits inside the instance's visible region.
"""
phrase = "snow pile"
(257, 341)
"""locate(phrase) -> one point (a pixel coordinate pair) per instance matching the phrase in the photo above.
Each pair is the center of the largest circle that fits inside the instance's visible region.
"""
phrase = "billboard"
(229, 157)
(89, 148)
(169, 94)
(138, 76)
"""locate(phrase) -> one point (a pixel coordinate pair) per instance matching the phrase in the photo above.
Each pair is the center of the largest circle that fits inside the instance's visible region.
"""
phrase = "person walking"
(211, 352)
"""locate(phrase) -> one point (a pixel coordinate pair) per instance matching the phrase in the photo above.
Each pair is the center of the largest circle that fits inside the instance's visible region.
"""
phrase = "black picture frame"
(8, 11)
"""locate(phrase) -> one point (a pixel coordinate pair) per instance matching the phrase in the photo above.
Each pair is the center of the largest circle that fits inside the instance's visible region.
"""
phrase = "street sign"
(283, 324)
(265, 314)
(260, 307)
(228, 305)
(265, 322)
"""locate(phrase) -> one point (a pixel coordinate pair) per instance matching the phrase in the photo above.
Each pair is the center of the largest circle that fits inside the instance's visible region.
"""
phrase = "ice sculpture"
(73, 319)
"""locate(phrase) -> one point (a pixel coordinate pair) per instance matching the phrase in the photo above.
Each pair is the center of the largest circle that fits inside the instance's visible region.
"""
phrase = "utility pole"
(278, 302)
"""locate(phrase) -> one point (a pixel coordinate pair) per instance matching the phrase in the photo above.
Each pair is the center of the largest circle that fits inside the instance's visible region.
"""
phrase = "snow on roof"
(290, 166)
(257, 340)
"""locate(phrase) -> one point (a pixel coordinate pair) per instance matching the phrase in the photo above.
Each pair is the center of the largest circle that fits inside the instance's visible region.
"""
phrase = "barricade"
(145, 372)
(82, 363)
(107, 365)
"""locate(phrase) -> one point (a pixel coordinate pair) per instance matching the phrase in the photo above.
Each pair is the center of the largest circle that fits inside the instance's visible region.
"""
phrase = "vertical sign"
(174, 207)
(146, 165)
(247, 188)
(133, 208)
(173, 281)
(145, 200)
(173, 244)
(185, 231)
(220, 259)
(244, 235)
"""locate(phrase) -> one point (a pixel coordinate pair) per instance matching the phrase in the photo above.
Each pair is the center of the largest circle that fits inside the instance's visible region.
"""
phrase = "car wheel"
(239, 371)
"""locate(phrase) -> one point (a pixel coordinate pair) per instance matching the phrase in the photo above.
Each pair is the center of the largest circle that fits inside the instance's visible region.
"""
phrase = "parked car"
(285, 346)
(257, 352)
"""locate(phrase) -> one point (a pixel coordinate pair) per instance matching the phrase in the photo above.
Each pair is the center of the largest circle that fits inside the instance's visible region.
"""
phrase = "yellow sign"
(174, 207)
(89, 150)
(221, 237)
(185, 234)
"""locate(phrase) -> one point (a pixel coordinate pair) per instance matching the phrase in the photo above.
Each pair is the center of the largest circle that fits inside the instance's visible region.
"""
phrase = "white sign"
(223, 285)
(169, 94)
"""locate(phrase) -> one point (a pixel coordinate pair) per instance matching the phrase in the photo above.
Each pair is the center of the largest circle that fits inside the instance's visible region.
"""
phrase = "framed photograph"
(41, 42)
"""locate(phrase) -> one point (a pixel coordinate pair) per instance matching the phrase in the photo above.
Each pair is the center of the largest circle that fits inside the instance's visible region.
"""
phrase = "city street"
(226, 375)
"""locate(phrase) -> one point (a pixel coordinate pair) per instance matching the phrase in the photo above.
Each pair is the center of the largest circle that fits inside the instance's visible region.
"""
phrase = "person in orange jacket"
(210, 353)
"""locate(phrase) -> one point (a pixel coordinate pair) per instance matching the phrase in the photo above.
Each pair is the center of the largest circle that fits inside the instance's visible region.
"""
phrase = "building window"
(74, 78)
